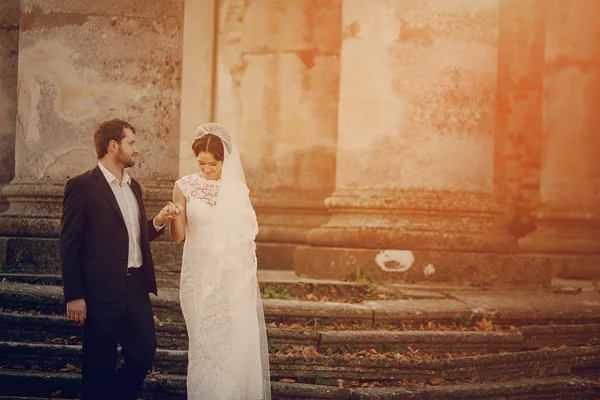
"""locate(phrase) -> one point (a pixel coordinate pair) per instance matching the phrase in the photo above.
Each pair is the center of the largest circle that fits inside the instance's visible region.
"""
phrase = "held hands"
(168, 212)
(77, 310)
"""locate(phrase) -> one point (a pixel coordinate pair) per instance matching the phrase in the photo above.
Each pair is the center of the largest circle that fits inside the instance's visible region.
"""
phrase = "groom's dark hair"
(106, 131)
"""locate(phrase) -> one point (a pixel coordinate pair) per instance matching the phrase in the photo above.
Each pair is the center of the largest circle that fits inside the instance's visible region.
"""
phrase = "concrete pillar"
(198, 76)
(81, 62)
(568, 219)
(277, 84)
(9, 49)
(517, 158)
(415, 159)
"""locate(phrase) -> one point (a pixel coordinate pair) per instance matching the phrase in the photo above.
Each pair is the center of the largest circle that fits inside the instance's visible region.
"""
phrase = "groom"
(107, 267)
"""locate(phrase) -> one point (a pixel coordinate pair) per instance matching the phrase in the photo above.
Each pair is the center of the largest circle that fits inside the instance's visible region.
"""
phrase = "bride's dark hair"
(211, 144)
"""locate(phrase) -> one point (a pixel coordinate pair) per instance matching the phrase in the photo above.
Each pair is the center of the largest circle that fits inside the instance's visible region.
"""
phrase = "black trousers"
(129, 322)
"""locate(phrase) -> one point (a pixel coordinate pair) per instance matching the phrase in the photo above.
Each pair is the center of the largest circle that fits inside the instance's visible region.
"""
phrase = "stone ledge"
(32, 279)
(569, 335)
(502, 307)
(43, 384)
(428, 341)
(544, 388)
(28, 328)
(294, 338)
(512, 365)
(173, 386)
(333, 368)
(464, 268)
(295, 310)
(40, 254)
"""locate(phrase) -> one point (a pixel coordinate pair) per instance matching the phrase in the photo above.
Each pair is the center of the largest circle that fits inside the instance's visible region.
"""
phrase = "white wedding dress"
(220, 300)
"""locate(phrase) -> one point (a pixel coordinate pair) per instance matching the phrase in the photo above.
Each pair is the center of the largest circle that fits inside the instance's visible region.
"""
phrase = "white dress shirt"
(131, 213)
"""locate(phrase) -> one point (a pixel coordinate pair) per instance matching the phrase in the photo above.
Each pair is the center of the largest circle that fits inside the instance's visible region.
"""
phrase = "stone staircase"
(418, 342)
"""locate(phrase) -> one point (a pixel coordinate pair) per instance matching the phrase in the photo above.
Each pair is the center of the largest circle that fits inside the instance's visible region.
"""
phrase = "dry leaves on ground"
(287, 380)
(70, 368)
(410, 354)
(481, 325)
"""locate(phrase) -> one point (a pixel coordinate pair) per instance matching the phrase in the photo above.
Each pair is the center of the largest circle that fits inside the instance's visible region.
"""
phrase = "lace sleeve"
(183, 184)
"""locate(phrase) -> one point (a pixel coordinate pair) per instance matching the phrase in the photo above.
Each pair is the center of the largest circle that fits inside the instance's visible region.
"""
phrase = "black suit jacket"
(94, 244)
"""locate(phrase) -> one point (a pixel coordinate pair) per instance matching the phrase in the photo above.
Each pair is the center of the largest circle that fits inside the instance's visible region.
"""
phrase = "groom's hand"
(77, 311)
(168, 212)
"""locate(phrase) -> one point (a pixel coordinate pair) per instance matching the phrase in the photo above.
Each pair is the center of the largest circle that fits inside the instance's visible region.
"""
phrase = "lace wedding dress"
(220, 300)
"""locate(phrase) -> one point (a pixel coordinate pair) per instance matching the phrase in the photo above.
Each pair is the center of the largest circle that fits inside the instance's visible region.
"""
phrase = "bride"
(220, 299)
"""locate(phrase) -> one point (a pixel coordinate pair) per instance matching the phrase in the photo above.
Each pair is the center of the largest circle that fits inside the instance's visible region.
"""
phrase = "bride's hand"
(169, 212)
(178, 207)
(174, 209)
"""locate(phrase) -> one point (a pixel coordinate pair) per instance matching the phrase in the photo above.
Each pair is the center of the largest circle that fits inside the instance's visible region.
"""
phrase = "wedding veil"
(232, 257)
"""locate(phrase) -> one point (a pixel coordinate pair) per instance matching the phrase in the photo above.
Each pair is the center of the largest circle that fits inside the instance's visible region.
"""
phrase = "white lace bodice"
(196, 187)
(201, 200)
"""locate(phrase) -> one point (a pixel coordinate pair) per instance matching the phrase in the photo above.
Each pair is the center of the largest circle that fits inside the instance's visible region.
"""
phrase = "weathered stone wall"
(80, 63)
(197, 88)
(571, 167)
(9, 48)
(414, 139)
(568, 218)
(415, 143)
(417, 96)
(277, 85)
(519, 107)
(278, 88)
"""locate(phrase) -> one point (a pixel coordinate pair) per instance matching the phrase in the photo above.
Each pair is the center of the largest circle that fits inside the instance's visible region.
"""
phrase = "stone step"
(28, 398)
(431, 342)
(364, 366)
(23, 255)
(173, 335)
(68, 385)
(57, 356)
(32, 279)
(277, 283)
(553, 388)
(41, 255)
(46, 385)
(422, 368)
(503, 308)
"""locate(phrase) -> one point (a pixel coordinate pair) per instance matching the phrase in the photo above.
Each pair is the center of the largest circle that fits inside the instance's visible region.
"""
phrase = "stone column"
(277, 88)
(517, 157)
(81, 62)
(197, 89)
(9, 48)
(568, 220)
(414, 184)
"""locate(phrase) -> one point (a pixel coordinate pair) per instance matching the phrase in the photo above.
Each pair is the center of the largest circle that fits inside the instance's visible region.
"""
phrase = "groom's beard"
(125, 161)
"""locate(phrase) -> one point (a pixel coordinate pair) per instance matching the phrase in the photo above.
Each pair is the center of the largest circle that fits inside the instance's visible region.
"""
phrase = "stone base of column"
(34, 211)
(565, 233)
(284, 223)
(28, 255)
(479, 269)
(423, 235)
(36, 207)
(274, 255)
(414, 220)
(30, 228)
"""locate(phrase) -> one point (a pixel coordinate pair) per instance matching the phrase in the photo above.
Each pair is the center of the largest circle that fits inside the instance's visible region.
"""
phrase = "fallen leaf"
(70, 368)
